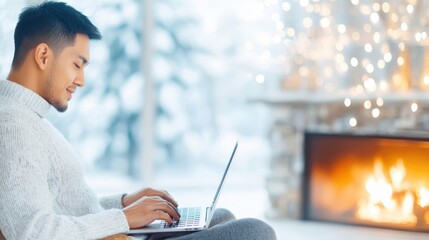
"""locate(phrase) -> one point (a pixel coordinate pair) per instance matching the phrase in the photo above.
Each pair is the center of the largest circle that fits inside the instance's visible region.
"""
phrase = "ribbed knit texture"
(43, 194)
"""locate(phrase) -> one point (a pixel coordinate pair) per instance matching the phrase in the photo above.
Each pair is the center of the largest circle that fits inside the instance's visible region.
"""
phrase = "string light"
(367, 28)
(383, 85)
(355, 2)
(401, 46)
(385, 7)
(370, 85)
(404, 26)
(354, 62)
(286, 6)
(324, 22)
(375, 112)
(394, 17)
(414, 107)
(260, 79)
(370, 68)
(376, 37)
(339, 46)
(376, 7)
(410, 8)
(347, 102)
(400, 61)
(381, 64)
(387, 57)
(367, 104)
(342, 28)
(353, 122)
(303, 3)
(375, 17)
(368, 48)
(307, 22)
(379, 101)
(426, 80)
(291, 32)
(418, 37)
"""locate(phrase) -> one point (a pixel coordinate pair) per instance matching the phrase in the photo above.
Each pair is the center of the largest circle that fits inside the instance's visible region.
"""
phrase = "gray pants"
(225, 226)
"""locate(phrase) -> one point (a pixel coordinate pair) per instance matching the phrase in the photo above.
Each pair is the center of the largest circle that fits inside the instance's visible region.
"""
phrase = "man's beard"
(57, 104)
(60, 107)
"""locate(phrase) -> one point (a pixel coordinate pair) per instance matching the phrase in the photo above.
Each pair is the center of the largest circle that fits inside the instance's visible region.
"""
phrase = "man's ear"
(42, 55)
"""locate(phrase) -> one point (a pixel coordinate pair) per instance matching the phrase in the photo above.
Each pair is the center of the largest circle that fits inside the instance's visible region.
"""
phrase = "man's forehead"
(77, 53)
(80, 48)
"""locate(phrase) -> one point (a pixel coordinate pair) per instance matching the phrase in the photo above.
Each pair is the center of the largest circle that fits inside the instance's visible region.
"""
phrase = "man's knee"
(256, 228)
(225, 213)
(242, 229)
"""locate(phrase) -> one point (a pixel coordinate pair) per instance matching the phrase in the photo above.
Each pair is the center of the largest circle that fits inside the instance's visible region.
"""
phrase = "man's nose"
(80, 79)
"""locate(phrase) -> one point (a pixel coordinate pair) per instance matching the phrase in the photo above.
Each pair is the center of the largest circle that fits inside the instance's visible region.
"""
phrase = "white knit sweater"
(43, 194)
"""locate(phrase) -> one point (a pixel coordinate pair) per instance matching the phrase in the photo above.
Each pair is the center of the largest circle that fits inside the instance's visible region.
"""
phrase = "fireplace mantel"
(307, 97)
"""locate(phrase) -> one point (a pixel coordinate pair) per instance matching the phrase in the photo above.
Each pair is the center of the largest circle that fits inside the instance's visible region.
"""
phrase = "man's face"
(67, 73)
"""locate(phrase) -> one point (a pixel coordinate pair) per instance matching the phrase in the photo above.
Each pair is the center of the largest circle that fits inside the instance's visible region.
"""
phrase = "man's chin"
(60, 107)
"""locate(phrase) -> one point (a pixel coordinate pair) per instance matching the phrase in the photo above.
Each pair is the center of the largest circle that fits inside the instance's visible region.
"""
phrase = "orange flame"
(392, 200)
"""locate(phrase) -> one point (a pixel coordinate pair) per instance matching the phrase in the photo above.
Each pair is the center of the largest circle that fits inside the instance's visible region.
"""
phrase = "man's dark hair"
(53, 23)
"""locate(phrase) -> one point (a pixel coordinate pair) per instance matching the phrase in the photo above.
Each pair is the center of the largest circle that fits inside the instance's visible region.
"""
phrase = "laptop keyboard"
(189, 217)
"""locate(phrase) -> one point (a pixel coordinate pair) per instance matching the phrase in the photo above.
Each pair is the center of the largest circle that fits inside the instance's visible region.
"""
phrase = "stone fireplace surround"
(344, 175)
(293, 113)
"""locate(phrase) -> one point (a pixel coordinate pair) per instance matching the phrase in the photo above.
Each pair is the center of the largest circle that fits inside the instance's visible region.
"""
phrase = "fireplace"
(379, 181)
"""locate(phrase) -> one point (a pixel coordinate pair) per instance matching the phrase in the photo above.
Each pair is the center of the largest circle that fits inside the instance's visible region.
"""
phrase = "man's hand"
(148, 209)
(127, 200)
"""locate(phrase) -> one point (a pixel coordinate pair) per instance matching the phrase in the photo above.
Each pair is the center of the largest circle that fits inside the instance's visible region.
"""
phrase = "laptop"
(192, 218)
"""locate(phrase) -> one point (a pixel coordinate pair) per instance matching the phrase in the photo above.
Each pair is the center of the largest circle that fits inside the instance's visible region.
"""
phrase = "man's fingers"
(157, 203)
(161, 215)
(161, 199)
(177, 216)
(167, 208)
(165, 195)
(169, 198)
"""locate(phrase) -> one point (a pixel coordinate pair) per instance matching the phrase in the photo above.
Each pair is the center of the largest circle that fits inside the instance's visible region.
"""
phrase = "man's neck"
(25, 77)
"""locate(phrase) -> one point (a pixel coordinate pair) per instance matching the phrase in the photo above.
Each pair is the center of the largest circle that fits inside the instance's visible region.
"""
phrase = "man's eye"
(77, 66)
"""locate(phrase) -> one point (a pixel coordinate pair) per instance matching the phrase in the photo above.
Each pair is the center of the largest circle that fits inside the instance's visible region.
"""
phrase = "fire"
(423, 194)
(392, 199)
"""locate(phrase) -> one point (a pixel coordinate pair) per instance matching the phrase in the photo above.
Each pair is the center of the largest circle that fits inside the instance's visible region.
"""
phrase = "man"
(43, 194)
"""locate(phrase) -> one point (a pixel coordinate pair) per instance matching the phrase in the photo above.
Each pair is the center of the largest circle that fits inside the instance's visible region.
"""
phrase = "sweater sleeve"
(109, 202)
(26, 207)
